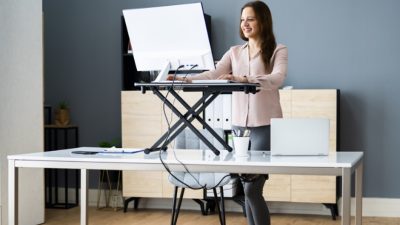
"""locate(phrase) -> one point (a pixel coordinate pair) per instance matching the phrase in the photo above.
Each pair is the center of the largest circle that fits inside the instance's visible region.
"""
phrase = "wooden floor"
(162, 217)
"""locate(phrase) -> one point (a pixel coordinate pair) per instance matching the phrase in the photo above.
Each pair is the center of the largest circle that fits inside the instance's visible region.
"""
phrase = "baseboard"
(372, 207)
(377, 207)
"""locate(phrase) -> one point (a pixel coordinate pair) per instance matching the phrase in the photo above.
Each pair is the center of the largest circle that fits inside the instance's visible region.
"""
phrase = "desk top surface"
(343, 159)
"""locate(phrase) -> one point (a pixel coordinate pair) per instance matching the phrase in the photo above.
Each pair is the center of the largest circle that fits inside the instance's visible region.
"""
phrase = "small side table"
(69, 138)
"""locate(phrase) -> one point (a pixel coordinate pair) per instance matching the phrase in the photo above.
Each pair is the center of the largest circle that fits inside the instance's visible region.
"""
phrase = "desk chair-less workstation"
(167, 49)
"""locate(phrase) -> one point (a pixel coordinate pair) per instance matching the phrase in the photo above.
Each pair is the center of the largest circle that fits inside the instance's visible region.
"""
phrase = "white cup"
(241, 145)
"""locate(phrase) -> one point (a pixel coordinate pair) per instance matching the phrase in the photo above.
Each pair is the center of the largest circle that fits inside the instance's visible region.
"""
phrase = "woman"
(259, 60)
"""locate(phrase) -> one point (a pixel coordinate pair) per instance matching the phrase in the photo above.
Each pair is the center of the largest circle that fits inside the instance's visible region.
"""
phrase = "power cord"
(168, 134)
(166, 140)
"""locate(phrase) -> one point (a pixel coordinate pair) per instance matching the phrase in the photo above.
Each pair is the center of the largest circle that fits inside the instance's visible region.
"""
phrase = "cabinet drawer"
(277, 188)
(317, 189)
(142, 184)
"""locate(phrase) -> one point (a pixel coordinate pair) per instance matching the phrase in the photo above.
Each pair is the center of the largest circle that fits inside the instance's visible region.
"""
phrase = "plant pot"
(62, 117)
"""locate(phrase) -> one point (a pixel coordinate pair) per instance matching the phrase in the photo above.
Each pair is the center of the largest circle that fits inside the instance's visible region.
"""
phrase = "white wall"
(21, 101)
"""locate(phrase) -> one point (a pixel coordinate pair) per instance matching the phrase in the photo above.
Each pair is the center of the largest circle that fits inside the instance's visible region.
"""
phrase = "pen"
(246, 133)
(234, 133)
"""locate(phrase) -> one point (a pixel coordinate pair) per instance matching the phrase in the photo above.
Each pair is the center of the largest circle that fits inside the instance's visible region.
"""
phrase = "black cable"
(169, 126)
(168, 134)
(184, 166)
(168, 123)
(166, 96)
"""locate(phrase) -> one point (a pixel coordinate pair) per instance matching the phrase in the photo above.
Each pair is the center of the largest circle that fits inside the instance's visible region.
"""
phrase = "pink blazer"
(253, 110)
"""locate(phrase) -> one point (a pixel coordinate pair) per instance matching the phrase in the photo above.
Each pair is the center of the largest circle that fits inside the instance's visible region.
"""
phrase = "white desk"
(338, 164)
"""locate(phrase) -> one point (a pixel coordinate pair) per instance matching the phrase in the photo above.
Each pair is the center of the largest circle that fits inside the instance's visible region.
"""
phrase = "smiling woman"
(259, 60)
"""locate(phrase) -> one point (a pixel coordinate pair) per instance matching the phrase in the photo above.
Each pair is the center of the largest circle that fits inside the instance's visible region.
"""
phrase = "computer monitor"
(167, 37)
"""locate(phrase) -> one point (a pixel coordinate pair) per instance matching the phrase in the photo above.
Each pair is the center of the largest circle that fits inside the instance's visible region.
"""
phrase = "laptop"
(300, 136)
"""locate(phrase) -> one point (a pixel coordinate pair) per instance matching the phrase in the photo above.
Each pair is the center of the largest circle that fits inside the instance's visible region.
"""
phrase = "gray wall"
(348, 45)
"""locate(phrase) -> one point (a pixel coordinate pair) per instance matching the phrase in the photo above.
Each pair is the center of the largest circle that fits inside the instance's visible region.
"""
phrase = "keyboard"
(212, 81)
(168, 82)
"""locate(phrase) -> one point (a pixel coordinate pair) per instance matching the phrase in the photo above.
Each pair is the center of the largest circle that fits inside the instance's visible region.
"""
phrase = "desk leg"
(346, 189)
(358, 190)
(12, 193)
(84, 192)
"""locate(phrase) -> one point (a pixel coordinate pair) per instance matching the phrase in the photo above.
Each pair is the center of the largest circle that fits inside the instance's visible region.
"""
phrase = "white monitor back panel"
(177, 34)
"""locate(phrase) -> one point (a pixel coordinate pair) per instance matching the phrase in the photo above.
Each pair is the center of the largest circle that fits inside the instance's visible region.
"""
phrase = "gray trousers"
(256, 208)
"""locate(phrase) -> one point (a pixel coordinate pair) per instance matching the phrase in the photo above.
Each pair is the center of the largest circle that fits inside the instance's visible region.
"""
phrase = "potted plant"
(62, 114)
(107, 178)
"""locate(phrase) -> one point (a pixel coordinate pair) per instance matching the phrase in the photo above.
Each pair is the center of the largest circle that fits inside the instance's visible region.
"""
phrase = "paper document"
(121, 150)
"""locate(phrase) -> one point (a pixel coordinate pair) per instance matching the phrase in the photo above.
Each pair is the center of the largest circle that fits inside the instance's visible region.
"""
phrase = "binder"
(227, 112)
(209, 114)
(218, 112)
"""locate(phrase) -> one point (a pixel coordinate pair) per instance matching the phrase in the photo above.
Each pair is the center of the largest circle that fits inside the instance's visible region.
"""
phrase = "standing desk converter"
(342, 164)
(210, 92)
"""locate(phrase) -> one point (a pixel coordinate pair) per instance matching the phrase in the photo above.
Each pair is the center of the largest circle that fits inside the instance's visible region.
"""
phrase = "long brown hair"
(264, 19)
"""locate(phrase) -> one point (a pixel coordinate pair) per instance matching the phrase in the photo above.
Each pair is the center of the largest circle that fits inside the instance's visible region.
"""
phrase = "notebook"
(299, 136)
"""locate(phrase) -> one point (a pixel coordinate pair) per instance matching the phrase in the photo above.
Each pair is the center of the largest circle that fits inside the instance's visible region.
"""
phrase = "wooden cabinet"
(143, 123)
(295, 188)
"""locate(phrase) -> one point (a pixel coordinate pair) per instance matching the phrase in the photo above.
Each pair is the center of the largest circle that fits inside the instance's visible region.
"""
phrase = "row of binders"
(218, 114)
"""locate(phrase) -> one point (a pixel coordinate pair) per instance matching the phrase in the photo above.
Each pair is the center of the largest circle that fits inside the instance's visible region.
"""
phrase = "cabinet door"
(142, 184)
(141, 119)
(141, 126)
(277, 188)
(316, 189)
(295, 188)
(315, 103)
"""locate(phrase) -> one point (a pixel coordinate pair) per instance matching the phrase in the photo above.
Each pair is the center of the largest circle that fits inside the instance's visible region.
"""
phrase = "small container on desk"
(60, 137)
